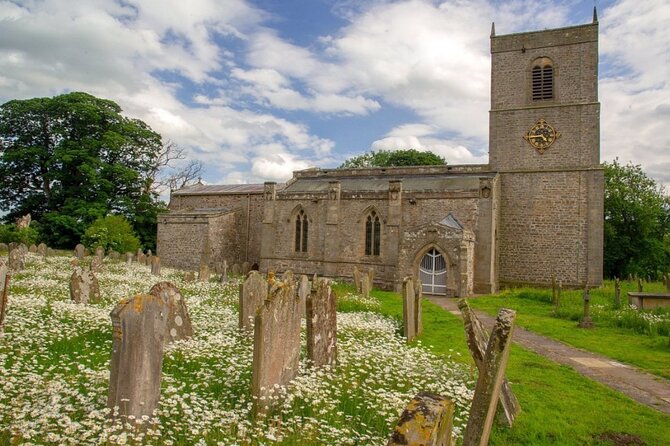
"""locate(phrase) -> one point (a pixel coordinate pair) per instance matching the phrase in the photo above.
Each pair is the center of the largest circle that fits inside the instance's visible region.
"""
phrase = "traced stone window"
(301, 230)
(372, 235)
(542, 79)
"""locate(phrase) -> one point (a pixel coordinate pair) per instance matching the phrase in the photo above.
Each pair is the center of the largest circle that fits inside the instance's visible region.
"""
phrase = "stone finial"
(321, 324)
(84, 287)
(138, 336)
(253, 292)
(595, 15)
(427, 420)
(178, 325)
(493, 29)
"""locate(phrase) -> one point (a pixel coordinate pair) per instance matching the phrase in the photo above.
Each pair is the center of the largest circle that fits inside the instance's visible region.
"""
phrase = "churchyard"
(55, 367)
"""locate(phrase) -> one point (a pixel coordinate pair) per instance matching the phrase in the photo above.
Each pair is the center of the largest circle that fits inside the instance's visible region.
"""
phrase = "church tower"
(545, 145)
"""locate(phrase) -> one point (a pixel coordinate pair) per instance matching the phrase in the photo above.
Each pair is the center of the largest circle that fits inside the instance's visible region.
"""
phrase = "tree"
(637, 223)
(111, 232)
(395, 158)
(71, 159)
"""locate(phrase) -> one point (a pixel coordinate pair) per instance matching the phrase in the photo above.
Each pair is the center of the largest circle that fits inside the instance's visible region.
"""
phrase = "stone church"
(534, 212)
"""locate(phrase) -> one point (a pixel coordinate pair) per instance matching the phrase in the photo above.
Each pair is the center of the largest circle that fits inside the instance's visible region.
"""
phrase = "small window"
(301, 231)
(372, 235)
(543, 80)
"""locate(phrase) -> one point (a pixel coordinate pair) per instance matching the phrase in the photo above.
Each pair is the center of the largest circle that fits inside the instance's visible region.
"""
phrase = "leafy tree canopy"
(394, 158)
(71, 159)
(637, 223)
(111, 232)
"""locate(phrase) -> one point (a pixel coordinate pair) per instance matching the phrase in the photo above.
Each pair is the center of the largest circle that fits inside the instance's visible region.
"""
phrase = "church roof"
(217, 189)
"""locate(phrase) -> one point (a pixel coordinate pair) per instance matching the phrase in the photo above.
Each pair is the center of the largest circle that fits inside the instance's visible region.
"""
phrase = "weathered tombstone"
(100, 252)
(96, 264)
(235, 269)
(408, 309)
(617, 293)
(23, 248)
(17, 260)
(478, 339)
(147, 259)
(357, 279)
(79, 251)
(138, 336)
(586, 321)
(418, 295)
(553, 289)
(178, 324)
(33, 249)
(489, 382)
(74, 262)
(4, 289)
(224, 272)
(365, 285)
(203, 272)
(12, 246)
(276, 354)
(639, 285)
(321, 323)
(155, 265)
(84, 287)
(371, 277)
(427, 420)
(253, 292)
(42, 249)
(129, 258)
(189, 276)
(114, 255)
(246, 267)
(149, 253)
(558, 294)
(139, 256)
(304, 290)
(50, 252)
(23, 222)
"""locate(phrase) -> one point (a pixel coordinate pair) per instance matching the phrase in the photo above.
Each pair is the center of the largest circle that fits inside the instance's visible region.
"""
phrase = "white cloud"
(277, 167)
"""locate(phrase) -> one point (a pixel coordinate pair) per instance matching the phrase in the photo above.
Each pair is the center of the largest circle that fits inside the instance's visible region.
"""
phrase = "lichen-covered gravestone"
(4, 247)
(42, 249)
(155, 265)
(147, 260)
(189, 276)
(304, 290)
(138, 337)
(411, 309)
(84, 287)
(100, 252)
(17, 260)
(322, 325)
(253, 292)
(203, 272)
(4, 285)
(33, 249)
(246, 267)
(357, 279)
(129, 258)
(139, 256)
(427, 420)
(224, 272)
(96, 264)
(235, 269)
(366, 286)
(178, 324)
(80, 251)
(276, 343)
(487, 390)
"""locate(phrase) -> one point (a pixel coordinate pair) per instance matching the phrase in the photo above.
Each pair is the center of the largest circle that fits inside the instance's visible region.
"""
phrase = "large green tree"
(394, 158)
(637, 223)
(73, 158)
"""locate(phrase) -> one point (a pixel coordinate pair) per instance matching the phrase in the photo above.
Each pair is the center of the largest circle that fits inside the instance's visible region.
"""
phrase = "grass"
(559, 406)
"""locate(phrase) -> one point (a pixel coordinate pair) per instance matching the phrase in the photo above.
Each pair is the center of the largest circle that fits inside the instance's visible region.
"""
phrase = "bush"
(111, 233)
(28, 236)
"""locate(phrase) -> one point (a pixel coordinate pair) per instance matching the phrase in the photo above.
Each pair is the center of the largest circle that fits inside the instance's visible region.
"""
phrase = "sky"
(256, 89)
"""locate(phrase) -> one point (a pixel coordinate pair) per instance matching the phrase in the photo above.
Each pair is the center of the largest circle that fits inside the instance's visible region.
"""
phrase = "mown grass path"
(643, 387)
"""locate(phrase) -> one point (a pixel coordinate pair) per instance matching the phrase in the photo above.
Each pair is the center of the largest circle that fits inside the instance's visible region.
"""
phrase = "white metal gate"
(433, 273)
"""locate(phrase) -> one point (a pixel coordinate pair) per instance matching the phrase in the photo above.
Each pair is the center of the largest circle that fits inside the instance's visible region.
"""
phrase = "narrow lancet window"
(372, 235)
(542, 80)
(301, 232)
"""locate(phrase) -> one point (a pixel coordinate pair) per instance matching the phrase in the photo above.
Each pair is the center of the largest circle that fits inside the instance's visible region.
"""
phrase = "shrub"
(9, 234)
(112, 233)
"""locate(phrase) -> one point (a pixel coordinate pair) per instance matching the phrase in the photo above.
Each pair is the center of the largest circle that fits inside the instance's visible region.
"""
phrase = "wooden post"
(586, 320)
(639, 285)
(617, 293)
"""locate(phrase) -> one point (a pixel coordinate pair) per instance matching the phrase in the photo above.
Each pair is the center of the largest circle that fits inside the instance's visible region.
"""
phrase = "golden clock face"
(541, 136)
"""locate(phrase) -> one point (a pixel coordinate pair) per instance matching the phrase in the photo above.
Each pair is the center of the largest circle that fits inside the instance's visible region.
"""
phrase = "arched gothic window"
(301, 231)
(372, 235)
(542, 82)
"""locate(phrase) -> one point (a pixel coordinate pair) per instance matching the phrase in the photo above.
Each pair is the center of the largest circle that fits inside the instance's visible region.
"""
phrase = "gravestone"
(357, 279)
(276, 354)
(617, 293)
(4, 290)
(12, 246)
(489, 382)
(33, 249)
(639, 285)
(50, 252)
(100, 252)
(155, 265)
(371, 277)
(74, 262)
(203, 272)
(418, 293)
(321, 323)
(23, 222)
(189, 276)
(129, 258)
(23, 248)
(79, 251)
(253, 292)
(304, 290)
(477, 339)
(139, 256)
(42, 249)
(147, 259)
(149, 253)
(138, 336)
(246, 267)
(4, 247)
(178, 324)
(427, 420)
(96, 264)
(553, 289)
(114, 255)
(365, 285)
(84, 287)
(409, 309)
(235, 269)
(224, 272)
(586, 321)
(17, 260)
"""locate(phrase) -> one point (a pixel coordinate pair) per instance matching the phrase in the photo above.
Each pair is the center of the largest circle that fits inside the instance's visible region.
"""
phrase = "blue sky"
(258, 88)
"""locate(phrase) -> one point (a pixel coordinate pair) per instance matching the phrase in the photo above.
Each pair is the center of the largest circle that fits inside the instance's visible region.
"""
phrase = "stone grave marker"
(4, 289)
(84, 287)
(586, 321)
(409, 307)
(96, 264)
(4, 247)
(23, 222)
(321, 323)
(276, 354)
(178, 324)
(639, 285)
(79, 251)
(477, 339)
(253, 292)
(235, 269)
(129, 258)
(304, 290)
(149, 253)
(100, 252)
(155, 265)
(74, 262)
(139, 256)
(224, 272)
(147, 259)
(489, 382)
(357, 279)
(365, 285)
(17, 260)
(42, 249)
(138, 337)
(23, 248)
(33, 249)
(617, 292)
(114, 255)
(428, 420)
(371, 277)
(189, 276)
(246, 267)
(50, 252)
(203, 272)
(553, 289)
(418, 294)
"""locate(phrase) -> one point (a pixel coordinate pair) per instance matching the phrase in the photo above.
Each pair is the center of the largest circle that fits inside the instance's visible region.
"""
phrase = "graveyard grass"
(627, 335)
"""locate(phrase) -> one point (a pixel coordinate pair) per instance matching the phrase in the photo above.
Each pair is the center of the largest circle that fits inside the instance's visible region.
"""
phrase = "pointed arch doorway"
(433, 273)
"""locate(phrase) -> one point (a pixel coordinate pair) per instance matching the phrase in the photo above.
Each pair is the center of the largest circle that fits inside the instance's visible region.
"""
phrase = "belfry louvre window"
(372, 235)
(301, 232)
(543, 80)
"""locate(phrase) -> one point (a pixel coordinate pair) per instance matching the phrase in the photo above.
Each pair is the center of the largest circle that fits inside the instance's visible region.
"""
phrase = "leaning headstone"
(321, 324)
(253, 292)
(189, 276)
(129, 258)
(203, 272)
(246, 267)
(100, 252)
(617, 293)
(155, 265)
(477, 339)
(427, 420)
(4, 289)
(138, 336)
(489, 382)
(178, 324)
(84, 287)
(224, 272)
(409, 308)
(17, 260)
(365, 285)
(96, 264)
(586, 321)
(33, 248)
(235, 270)
(276, 356)
(42, 249)
(357, 279)
(304, 290)
(79, 251)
